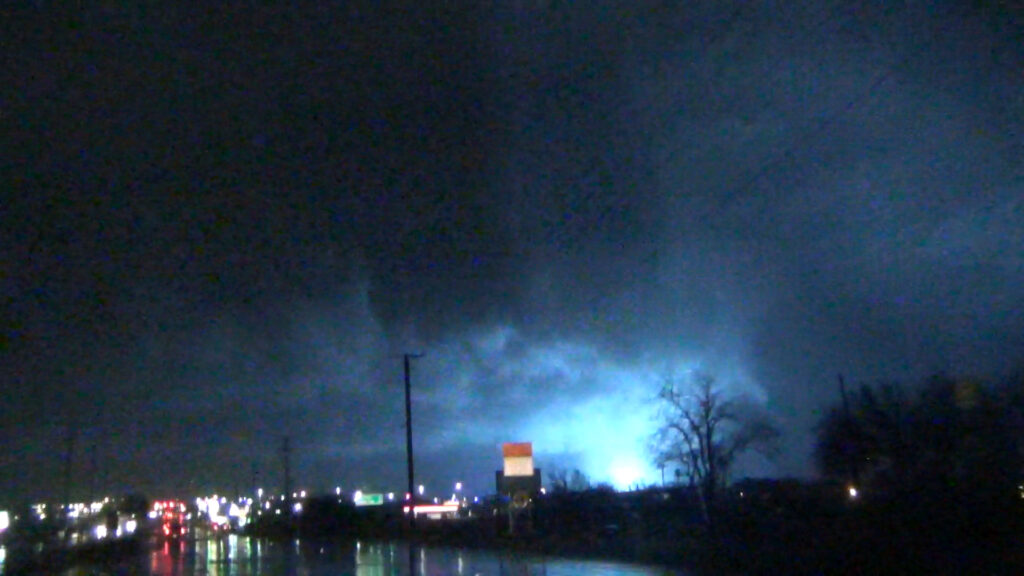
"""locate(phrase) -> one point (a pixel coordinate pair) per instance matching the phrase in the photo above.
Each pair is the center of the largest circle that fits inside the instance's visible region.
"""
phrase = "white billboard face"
(519, 466)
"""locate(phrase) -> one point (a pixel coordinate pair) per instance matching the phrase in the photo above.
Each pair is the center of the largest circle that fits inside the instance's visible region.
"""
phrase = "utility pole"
(851, 458)
(408, 439)
(68, 461)
(93, 472)
(842, 393)
(285, 455)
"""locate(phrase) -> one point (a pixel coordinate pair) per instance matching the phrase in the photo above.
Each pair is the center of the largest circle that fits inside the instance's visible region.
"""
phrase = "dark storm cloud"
(231, 224)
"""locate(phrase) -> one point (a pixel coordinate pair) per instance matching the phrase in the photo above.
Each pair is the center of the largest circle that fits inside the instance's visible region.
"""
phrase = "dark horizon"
(224, 227)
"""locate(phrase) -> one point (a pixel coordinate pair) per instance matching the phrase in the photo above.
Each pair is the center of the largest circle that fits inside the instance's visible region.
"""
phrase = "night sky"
(224, 224)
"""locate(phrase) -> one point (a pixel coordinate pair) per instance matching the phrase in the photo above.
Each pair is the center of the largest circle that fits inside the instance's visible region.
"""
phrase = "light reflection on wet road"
(242, 556)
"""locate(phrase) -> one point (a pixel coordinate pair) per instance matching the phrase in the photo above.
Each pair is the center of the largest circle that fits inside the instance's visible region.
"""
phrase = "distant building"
(445, 511)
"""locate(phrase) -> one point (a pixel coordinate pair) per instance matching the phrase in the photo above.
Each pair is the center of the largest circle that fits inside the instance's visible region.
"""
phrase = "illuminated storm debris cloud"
(226, 227)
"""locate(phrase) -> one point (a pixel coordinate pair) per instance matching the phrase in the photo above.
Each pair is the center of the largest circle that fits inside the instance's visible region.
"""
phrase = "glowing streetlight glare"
(420, 489)
(458, 486)
(853, 492)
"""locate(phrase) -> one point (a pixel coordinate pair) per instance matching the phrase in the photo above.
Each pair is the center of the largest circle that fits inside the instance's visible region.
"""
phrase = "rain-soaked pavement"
(242, 556)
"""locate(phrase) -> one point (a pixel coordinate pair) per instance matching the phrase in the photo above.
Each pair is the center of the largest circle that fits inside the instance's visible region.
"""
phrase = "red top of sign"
(517, 449)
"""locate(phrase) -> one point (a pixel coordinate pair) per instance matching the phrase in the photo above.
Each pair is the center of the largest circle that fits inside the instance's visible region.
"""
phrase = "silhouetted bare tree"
(563, 481)
(866, 438)
(954, 437)
(704, 432)
(558, 479)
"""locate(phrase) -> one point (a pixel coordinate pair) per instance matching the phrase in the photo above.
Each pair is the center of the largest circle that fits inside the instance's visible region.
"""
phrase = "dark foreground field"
(769, 527)
(773, 528)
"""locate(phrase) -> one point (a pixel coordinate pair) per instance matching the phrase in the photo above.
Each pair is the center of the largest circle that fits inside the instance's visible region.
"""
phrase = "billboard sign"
(518, 458)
